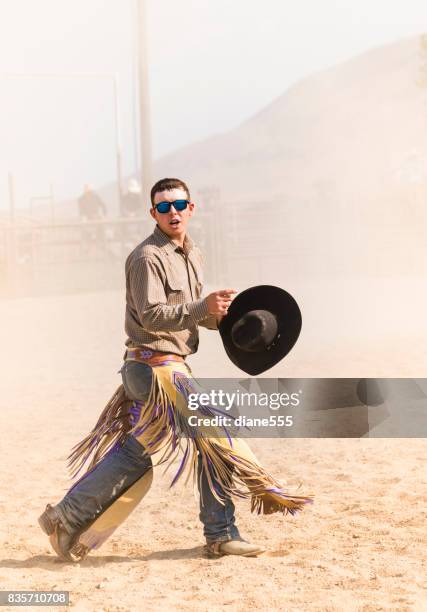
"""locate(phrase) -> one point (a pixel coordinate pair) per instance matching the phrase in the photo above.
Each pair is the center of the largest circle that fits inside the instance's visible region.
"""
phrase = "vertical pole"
(135, 115)
(52, 204)
(11, 242)
(11, 199)
(144, 106)
(118, 144)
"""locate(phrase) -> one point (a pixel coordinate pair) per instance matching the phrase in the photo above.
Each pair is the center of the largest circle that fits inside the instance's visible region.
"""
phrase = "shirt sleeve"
(210, 322)
(150, 301)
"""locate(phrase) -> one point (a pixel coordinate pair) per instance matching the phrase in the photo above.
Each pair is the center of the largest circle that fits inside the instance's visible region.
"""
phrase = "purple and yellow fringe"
(161, 426)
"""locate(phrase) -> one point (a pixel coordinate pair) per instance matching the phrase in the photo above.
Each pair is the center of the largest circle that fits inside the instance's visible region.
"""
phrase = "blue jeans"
(124, 465)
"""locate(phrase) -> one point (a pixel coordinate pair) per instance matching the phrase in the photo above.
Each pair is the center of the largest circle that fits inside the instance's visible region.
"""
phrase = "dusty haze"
(321, 194)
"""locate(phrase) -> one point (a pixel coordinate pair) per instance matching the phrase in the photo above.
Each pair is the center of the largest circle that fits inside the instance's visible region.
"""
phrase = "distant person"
(91, 207)
(131, 201)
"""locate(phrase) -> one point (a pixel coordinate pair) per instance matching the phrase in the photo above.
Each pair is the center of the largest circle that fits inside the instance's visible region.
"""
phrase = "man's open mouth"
(174, 222)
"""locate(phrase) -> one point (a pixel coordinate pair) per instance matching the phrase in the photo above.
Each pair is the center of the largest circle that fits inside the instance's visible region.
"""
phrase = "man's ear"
(153, 212)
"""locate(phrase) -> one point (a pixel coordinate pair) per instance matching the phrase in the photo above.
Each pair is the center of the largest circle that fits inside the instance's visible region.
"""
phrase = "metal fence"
(87, 256)
(242, 243)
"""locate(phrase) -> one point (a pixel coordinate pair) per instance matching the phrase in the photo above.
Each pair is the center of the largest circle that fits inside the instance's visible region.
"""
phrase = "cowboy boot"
(233, 547)
(65, 545)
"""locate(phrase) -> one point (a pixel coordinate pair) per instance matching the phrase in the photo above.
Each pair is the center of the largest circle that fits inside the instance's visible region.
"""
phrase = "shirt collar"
(165, 242)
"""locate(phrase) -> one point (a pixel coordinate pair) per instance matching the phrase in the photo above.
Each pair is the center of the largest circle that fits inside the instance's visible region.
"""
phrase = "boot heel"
(45, 522)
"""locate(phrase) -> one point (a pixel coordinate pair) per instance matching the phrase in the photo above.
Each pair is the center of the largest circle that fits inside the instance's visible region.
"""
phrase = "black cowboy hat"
(262, 325)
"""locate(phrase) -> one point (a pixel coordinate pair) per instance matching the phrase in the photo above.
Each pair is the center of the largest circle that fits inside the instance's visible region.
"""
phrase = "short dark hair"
(167, 184)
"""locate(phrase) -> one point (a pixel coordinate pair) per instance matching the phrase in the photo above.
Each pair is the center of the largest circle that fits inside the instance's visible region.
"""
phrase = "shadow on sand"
(53, 563)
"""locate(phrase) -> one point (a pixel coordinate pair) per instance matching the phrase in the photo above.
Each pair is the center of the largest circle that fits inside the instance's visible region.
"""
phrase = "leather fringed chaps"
(161, 426)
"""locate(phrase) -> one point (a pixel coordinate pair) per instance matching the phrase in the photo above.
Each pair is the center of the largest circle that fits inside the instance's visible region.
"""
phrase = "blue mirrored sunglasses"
(164, 207)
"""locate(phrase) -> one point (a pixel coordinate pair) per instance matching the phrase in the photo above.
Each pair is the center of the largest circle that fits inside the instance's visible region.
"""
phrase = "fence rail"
(81, 256)
(243, 244)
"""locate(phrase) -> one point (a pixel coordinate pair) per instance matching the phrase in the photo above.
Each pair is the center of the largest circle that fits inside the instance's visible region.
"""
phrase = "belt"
(150, 357)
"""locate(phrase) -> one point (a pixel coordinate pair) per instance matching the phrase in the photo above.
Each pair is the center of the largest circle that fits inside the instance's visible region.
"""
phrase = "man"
(131, 200)
(92, 209)
(91, 206)
(164, 308)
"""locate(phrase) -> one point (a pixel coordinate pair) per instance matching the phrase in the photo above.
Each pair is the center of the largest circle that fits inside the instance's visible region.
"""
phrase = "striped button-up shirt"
(163, 295)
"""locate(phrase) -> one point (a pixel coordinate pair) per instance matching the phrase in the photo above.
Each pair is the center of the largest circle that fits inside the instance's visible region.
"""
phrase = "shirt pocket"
(175, 290)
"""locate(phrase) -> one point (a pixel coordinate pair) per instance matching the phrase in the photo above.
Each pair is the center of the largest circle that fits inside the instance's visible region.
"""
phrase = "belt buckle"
(145, 354)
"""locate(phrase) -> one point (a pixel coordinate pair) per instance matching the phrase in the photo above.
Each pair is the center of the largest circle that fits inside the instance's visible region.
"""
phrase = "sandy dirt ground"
(360, 546)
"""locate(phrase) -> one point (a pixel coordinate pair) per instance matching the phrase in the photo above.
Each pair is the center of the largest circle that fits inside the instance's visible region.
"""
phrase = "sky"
(213, 64)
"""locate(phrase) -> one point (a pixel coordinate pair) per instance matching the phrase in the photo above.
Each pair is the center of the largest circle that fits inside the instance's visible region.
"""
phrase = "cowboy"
(91, 206)
(92, 211)
(149, 412)
(131, 200)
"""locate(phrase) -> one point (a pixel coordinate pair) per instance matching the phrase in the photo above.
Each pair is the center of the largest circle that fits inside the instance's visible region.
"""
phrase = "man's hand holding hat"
(219, 301)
